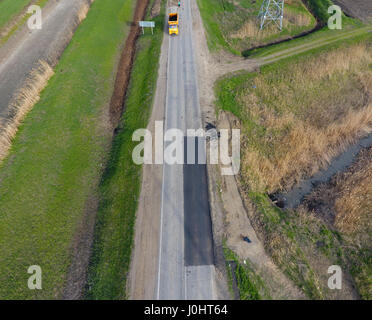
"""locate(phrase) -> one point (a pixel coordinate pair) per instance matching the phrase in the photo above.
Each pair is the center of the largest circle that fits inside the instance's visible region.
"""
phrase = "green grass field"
(120, 185)
(58, 156)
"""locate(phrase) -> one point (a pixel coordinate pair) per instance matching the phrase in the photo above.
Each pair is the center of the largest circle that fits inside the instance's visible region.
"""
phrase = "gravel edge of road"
(142, 279)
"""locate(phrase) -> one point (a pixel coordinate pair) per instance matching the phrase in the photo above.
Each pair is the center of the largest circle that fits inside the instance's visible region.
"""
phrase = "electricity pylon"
(271, 11)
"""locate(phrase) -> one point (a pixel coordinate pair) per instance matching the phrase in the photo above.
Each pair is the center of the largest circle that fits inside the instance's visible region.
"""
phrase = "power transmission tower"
(271, 11)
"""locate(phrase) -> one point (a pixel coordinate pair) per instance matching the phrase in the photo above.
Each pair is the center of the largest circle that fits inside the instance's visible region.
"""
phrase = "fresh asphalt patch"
(197, 219)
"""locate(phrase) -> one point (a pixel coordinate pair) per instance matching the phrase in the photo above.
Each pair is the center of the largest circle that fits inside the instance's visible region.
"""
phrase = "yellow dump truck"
(173, 23)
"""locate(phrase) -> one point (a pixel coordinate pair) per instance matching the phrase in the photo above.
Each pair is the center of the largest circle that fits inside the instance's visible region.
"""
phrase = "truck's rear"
(173, 23)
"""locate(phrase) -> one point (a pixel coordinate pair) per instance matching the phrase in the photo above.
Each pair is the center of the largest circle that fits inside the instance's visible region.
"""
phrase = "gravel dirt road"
(361, 9)
(23, 52)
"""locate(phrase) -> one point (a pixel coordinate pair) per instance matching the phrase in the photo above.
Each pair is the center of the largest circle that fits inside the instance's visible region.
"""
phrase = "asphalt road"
(19, 57)
(186, 269)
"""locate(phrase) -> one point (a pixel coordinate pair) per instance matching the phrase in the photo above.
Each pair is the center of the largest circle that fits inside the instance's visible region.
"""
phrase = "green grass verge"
(250, 284)
(120, 185)
(209, 9)
(57, 156)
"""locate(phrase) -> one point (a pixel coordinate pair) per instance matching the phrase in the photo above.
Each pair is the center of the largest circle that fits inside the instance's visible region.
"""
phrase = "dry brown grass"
(310, 116)
(251, 28)
(345, 204)
(353, 205)
(82, 13)
(296, 19)
(23, 102)
(307, 149)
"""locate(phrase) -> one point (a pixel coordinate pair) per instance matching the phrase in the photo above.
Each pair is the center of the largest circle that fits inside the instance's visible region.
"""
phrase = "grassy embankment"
(55, 164)
(9, 10)
(233, 26)
(319, 8)
(120, 185)
(292, 125)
